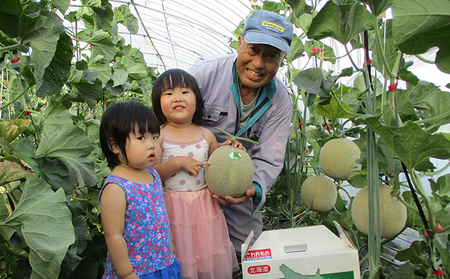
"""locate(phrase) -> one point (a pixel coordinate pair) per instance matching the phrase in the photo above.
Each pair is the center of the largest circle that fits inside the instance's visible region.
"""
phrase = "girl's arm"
(173, 165)
(168, 168)
(113, 207)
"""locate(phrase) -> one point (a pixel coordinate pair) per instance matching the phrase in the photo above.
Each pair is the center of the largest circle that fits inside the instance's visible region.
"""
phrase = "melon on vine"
(319, 193)
(393, 213)
(338, 157)
(231, 170)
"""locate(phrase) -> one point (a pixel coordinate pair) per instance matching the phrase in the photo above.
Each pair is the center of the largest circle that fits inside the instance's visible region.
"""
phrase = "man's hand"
(237, 144)
(230, 200)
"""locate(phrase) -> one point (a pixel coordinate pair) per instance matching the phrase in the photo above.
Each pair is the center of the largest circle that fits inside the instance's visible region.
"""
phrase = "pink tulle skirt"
(200, 235)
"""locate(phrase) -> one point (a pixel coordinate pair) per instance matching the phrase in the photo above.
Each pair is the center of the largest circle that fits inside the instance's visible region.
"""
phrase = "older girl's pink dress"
(198, 226)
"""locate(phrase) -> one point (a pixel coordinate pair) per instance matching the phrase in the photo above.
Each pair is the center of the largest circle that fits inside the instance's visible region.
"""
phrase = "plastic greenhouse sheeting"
(177, 32)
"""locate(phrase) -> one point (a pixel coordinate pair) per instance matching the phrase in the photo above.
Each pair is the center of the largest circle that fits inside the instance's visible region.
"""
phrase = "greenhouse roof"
(174, 33)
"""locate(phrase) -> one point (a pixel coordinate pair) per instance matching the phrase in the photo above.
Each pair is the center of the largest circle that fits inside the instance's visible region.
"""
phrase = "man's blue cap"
(269, 28)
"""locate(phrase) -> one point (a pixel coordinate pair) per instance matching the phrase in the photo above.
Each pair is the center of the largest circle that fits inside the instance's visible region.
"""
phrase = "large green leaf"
(333, 110)
(57, 73)
(430, 102)
(10, 12)
(135, 64)
(46, 224)
(91, 93)
(63, 140)
(124, 16)
(419, 25)
(410, 143)
(42, 34)
(103, 69)
(341, 22)
(120, 74)
(24, 149)
(297, 49)
(101, 43)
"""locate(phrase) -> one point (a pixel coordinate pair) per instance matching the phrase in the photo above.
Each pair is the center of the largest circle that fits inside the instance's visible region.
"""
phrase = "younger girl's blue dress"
(147, 230)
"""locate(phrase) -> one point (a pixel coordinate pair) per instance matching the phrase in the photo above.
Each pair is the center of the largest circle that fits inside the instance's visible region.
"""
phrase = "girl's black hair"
(118, 121)
(169, 80)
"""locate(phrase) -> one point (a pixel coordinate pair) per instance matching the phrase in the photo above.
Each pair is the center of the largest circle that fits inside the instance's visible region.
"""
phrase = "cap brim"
(264, 39)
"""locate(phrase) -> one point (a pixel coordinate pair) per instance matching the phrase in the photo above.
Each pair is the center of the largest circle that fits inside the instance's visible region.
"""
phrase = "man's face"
(257, 64)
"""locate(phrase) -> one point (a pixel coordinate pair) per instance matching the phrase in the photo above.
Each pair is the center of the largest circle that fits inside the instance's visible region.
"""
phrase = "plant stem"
(351, 59)
(16, 98)
(380, 50)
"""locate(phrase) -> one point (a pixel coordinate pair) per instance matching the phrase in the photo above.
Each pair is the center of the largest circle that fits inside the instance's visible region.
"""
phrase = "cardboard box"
(314, 251)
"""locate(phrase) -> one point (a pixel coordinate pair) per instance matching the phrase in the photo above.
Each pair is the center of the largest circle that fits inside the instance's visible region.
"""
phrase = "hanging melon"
(393, 213)
(319, 193)
(338, 157)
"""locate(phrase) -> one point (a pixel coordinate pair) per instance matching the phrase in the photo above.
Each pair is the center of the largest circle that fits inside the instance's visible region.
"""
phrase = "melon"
(319, 193)
(230, 173)
(338, 157)
(393, 213)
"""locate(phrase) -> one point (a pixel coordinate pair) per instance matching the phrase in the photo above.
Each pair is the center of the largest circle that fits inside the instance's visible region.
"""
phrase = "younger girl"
(198, 225)
(133, 214)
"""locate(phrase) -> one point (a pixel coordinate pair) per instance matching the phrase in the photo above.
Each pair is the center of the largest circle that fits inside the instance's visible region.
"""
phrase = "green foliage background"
(52, 168)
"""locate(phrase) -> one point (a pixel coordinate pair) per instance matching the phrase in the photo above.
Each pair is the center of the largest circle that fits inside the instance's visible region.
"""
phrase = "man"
(243, 96)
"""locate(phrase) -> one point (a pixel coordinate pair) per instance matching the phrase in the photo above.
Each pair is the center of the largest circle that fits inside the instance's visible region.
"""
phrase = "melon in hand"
(230, 173)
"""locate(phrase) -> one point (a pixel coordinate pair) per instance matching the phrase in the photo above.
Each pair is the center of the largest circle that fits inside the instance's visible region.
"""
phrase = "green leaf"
(103, 18)
(298, 7)
(341, 22)
(333, 111)
(410, 143)
(296, 49)
(310, 80)
(418, 27)
(91, 93)
(58, 175)
(101, 67)
(11, 129)
(42, 35)
(65, 141)
(10, 12)
(61, 5)
(124, 16)
(91, 3)
(120, 74)
(101, 44)
(441, 186)
(430, 102)
(46, 224)
(57, 73)
(378, 6)
(135, 64)
(24, 150)
(12, 169)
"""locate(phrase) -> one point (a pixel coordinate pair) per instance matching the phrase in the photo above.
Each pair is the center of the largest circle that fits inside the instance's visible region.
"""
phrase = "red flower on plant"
(15, 60)
(315, 50)
(393, 87)
(438, 273)
(369, 62)
(327, 127)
